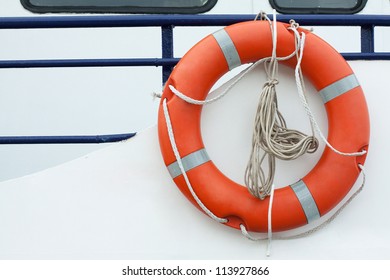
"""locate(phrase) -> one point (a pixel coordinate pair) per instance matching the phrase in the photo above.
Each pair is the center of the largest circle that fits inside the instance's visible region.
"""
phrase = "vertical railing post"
(367, 39)
(167, 49)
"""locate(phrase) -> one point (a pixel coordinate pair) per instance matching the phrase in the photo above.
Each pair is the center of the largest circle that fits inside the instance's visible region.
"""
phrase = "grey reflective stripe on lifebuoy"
(307, 201)
(189, 162)
(339, 87)
(228, 48)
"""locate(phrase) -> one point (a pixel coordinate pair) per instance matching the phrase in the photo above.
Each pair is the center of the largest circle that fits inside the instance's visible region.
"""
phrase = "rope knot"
(261, 16)
(272, 82)
(294, 24)
(156, 95)
(313, 144)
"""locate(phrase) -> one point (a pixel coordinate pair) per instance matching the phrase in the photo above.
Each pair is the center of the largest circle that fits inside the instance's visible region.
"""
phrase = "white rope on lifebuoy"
(270, 134)
(180, 163)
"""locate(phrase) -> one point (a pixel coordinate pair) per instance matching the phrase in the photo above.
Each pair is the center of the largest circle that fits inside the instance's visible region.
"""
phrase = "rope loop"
(261, 16)
(294, 24)
(271, 136)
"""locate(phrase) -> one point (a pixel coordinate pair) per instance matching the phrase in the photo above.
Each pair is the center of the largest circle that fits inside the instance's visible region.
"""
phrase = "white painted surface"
(120, 203)
(101, 100)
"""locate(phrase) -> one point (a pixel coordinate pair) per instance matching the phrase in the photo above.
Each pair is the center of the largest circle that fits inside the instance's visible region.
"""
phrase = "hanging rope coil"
(271, 138)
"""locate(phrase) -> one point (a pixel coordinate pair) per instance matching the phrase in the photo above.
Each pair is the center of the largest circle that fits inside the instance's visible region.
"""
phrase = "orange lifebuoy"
(348, 127)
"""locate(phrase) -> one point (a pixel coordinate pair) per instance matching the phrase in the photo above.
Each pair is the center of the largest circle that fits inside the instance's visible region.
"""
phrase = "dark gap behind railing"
(167, 23)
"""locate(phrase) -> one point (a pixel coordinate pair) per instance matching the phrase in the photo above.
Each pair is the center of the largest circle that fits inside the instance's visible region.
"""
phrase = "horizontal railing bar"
(78, 139)
(54, 63)
(180, 20)
(111, 62)
(367, 56)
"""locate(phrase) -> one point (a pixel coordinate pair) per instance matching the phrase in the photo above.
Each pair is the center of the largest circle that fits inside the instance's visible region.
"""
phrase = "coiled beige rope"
(271, 138)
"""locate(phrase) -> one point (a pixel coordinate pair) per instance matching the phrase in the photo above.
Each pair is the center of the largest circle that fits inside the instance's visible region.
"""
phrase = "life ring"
(348, 127)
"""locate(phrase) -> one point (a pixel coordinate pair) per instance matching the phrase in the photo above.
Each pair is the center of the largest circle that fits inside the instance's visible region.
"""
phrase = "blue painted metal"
(367, 38)
(121, 62)
(78, 139)
(167, 49)
(367, 56)
(181, 20)
(117, 62)
(167, 61)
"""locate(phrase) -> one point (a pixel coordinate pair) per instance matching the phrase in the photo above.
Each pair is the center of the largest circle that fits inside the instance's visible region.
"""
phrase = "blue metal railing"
(167, 61)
